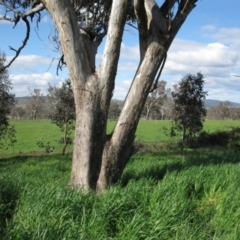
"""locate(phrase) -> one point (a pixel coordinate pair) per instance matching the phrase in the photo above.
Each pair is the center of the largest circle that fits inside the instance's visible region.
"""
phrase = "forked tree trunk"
(98, 159)
(117, 151)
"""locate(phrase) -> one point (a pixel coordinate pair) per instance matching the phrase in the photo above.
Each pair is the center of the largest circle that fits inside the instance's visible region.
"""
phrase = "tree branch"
(10, 8)
(34, 10)
(20, 15)
(167, 5)
(184, 8)
(108, 66)
(21, 47)
(9, 19)
(142, 25)
(60, 64)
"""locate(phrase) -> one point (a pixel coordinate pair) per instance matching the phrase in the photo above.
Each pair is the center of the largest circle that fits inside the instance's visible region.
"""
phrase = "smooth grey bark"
(99, 159)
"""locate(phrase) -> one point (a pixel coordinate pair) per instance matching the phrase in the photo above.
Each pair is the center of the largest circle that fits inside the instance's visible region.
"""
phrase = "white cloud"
(218, 59)
(23, 82)
(127, 66)
(30, 62)
(212, 55)
(130, 52)
(208, 28)
(46, 19)
(225, 35)
(121, 89)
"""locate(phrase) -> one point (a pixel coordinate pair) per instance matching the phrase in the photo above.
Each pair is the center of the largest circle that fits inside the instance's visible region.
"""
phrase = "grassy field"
(161, 195)
(29, 132)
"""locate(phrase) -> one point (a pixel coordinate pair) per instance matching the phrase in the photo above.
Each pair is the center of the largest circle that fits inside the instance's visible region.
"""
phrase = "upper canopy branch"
(34, 9)
(141, 16)
(18, 51)
(184, 8)
(108, 66)
(38, 8)
(17, 15)
(9, 7)
(9, 19)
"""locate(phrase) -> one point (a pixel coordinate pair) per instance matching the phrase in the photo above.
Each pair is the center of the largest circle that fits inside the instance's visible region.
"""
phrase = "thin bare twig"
(21, 47)
(20, 15)
(61, 63)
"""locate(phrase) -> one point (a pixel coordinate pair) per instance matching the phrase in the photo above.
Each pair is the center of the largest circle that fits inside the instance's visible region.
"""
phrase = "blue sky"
(208, 42)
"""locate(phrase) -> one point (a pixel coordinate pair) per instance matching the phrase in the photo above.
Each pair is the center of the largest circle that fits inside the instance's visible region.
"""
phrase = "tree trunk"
(117, 150)
(183, 139)
(89, 140)
(65, 139)
(98, 159)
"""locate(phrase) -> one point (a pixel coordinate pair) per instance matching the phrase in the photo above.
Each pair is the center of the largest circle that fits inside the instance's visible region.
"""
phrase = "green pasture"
(162, 194)
(29, 132)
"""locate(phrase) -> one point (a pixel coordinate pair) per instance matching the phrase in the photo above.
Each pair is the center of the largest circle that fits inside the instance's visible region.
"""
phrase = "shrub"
(231, 139)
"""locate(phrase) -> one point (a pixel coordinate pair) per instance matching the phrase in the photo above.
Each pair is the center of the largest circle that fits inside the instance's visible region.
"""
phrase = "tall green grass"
(160, 196)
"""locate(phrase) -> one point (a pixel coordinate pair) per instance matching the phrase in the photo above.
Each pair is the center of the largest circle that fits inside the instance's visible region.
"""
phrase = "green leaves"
(6, 99)
(189, 110)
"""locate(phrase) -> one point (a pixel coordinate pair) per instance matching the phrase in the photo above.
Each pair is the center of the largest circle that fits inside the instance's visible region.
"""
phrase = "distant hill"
(214, 103)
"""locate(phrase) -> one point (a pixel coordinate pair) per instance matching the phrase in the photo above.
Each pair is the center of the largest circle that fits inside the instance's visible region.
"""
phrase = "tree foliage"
(189, 110)
(6, 98)
(63, 114)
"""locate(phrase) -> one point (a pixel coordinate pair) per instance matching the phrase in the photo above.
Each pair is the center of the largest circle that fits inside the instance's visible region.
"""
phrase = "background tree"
(61, 101)
(234, 113)
(6, 99)
(114, 109)
(167, 105)
(99, 159)
(155, 100)
(223, 110)
(17, 112)
(35, 105)
(189, 110)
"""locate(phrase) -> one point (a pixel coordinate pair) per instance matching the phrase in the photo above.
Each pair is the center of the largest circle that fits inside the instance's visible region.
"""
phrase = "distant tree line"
(159, 106)
(223, 111)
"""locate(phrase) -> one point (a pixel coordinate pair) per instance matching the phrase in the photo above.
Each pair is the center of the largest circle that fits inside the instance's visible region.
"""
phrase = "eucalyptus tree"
(189, 110)
(35, 104)
(99, 158)
(222, 110)
(155, 100)
(6, 98)
(61, 102)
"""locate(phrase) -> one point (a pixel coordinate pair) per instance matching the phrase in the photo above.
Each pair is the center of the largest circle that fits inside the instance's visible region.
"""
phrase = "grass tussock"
(162, 195)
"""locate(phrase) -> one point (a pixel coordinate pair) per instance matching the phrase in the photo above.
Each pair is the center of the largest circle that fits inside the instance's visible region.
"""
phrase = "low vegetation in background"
(225, 138)
(63, 111)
